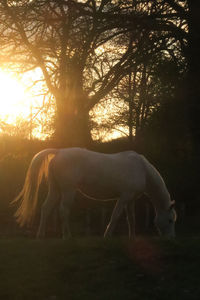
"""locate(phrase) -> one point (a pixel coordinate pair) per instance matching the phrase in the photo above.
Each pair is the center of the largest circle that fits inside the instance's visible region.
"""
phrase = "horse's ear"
(172, 204)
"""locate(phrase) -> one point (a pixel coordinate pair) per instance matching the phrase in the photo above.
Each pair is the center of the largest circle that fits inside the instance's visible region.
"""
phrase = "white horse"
(124, 176)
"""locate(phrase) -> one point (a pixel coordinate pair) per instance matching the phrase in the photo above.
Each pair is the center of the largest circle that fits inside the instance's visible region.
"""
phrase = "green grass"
(92, 268)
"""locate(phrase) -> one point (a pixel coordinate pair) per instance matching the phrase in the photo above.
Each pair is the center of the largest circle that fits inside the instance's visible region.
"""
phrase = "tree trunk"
(72, 124)
(193, 86)
(130, 104)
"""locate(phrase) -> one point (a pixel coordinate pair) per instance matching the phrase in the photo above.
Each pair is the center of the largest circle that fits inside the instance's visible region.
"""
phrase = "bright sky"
(14, 101)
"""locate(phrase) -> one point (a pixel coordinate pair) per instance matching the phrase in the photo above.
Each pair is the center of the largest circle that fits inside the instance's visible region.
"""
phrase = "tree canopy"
(87, 50)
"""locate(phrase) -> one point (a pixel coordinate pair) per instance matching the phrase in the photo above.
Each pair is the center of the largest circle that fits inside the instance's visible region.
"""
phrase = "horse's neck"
(157, 189)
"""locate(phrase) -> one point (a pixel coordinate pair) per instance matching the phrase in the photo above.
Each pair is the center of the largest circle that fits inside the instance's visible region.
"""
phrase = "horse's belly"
(98, 192)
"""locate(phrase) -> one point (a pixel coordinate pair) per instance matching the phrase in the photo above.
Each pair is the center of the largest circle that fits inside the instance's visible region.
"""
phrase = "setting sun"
(20, 104)
(15, 102)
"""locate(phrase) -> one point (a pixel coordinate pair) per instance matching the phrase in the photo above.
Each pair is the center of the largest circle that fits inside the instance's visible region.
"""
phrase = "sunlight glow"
(20, 105)
(14, 101)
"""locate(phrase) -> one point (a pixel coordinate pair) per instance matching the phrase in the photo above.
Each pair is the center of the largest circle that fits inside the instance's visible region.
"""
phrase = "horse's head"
(165, 221)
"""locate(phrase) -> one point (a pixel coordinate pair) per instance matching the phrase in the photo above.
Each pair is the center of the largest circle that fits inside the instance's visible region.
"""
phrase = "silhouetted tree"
(68, 41)
(192, 91)
(161, 41)
(83, 49)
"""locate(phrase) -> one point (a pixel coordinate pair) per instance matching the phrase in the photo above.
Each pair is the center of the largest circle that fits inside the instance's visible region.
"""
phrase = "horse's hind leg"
(47, 207)
(67, 200)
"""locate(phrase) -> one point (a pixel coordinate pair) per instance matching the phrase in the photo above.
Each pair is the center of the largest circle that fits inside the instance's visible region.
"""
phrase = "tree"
(82, 48)
(159, 49)
(192, 92)
(64, 39)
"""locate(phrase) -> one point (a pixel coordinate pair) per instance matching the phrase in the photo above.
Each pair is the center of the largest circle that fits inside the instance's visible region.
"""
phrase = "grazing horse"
(124, 176)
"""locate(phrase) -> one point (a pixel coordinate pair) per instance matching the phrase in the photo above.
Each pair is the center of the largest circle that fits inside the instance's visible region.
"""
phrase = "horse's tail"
(28, 196)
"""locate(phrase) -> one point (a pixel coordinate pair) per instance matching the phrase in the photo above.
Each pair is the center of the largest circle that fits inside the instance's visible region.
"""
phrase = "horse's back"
(94, 172)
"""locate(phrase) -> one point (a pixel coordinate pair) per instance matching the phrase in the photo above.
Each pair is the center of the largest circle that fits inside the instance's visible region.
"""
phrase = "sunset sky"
(15, 101)
(19, 102)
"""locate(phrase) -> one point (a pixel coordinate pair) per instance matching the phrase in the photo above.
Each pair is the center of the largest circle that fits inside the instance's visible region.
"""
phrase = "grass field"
(92, 268)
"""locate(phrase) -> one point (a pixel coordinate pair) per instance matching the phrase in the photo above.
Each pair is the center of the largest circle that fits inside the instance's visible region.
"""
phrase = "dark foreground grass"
(98, 269)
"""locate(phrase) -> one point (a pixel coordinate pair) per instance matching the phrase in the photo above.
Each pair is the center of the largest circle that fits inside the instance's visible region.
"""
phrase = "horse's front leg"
(130, 216)
(67, 200)
(119, 207)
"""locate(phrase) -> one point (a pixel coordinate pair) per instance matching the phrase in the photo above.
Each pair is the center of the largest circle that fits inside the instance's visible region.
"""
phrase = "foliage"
(167, 143)
(20, 129)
